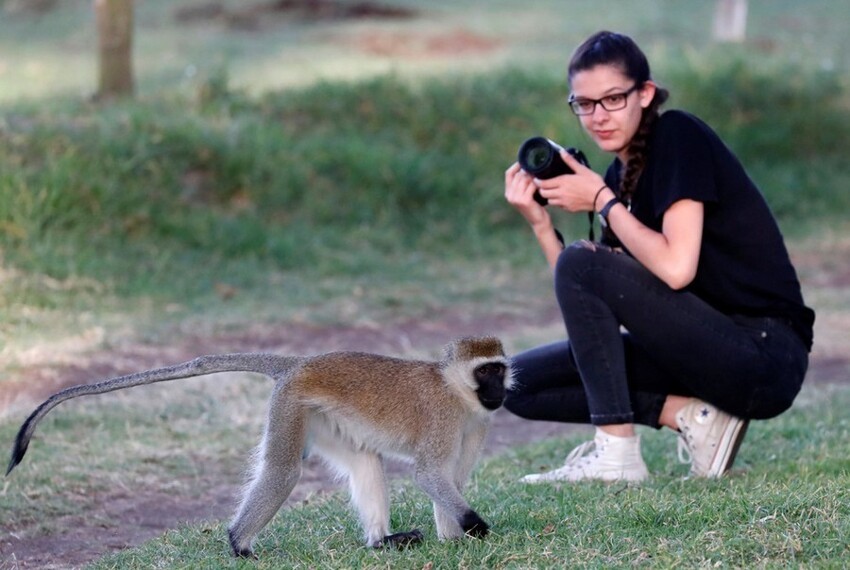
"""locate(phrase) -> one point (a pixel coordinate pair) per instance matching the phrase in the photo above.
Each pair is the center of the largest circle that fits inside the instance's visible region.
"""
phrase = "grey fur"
(352, 409)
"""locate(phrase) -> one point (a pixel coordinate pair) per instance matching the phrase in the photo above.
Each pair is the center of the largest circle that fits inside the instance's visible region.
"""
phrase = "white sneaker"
(710, 438)
(605, 458)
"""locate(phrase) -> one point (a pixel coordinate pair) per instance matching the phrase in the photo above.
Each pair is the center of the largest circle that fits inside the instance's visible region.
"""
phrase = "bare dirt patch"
(457, 42)
(252, 16)
(412, 45)
(120, 520)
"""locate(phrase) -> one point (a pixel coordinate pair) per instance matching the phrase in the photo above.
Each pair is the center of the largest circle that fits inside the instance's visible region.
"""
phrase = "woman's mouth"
(604, 135)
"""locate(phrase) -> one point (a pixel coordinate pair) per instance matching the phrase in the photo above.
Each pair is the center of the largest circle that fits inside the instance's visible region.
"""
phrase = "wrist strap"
(606, 209)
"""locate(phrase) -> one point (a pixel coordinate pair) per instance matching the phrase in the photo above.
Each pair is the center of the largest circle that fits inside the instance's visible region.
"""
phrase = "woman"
(689, 314)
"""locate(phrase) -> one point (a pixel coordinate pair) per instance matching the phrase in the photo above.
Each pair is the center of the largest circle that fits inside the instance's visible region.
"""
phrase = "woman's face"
(612, 131)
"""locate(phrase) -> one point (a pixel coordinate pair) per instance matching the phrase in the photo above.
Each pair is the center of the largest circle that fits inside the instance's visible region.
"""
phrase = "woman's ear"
(646, 93)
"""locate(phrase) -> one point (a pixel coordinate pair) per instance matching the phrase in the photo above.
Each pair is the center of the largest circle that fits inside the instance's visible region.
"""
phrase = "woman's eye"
(613, 99)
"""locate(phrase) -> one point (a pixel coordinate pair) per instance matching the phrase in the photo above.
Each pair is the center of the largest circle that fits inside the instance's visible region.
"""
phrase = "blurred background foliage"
(223, 165)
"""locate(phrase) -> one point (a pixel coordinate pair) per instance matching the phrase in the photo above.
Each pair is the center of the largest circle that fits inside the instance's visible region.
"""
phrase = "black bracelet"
(596, 197)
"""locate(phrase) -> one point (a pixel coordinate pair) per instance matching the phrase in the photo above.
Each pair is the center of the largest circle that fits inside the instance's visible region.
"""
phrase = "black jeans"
(633, 341)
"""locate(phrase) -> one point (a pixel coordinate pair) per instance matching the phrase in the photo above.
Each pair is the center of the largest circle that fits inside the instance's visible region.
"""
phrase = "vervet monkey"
(352, 409)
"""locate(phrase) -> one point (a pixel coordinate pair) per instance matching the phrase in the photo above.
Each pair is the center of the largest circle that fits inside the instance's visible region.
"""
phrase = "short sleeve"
(684, 166)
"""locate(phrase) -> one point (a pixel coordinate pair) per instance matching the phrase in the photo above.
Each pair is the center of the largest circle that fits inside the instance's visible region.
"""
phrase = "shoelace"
(579, 451)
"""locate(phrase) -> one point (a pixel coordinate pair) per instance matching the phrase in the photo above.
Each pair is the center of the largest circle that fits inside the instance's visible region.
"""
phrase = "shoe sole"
(608, 477)
(727, 450)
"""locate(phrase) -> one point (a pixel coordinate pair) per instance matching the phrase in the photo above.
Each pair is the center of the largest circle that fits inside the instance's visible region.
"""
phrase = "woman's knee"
(520, 398)
(768, 403)
(518, 401)
(575, 254)
(585, 260)
(571, 270)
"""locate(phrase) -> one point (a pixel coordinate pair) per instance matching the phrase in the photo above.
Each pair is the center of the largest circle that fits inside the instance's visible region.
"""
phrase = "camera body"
(541, 158)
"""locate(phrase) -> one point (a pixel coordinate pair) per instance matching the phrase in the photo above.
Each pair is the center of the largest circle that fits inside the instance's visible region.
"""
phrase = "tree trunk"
(730, 20)
(115, 47)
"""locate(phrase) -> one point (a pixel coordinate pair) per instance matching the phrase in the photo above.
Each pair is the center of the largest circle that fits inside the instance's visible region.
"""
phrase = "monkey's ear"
(450, 352)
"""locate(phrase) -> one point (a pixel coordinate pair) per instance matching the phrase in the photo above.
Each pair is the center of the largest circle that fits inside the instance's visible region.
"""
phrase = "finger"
(571, 161)
(552, 197)
(519, 188)
(548, 183)
(516, 176)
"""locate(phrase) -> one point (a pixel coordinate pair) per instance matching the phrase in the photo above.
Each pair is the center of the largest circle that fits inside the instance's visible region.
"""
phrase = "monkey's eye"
(490, 369)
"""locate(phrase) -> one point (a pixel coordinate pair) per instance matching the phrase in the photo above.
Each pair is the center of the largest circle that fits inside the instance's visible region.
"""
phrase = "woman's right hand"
(519, 192)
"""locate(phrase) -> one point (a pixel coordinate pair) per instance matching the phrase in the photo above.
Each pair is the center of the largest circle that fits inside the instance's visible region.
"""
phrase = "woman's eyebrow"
(609, 91)
(615, 90)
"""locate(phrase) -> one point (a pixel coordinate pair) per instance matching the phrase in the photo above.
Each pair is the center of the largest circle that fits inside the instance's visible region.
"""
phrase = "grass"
(785, 504)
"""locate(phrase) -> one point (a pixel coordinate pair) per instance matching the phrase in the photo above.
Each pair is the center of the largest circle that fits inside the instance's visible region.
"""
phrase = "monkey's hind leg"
(275, 473)
(368, 487)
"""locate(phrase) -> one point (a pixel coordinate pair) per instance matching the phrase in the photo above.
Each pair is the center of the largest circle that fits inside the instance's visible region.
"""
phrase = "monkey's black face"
(491, 384)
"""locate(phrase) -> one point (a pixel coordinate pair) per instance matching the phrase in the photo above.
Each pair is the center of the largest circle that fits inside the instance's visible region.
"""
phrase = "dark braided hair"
(609, 48)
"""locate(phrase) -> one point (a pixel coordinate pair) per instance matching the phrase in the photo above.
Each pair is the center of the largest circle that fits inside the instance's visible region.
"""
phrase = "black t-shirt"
(744, 267)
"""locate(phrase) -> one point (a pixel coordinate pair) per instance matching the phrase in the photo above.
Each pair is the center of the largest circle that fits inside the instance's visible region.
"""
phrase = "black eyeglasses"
(612, 102)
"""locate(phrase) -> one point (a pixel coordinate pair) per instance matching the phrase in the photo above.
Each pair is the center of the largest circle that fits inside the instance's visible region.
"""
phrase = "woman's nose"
(599, 113)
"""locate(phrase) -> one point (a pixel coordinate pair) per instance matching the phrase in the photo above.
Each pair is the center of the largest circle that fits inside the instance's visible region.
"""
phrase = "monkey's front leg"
(471, 446)
(449, 504)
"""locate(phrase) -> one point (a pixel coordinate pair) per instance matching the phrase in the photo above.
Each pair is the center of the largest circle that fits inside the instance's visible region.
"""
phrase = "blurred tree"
(730, 21)
(115, 48)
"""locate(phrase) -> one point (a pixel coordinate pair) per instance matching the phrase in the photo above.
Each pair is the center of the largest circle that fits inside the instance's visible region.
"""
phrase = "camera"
(541, 158)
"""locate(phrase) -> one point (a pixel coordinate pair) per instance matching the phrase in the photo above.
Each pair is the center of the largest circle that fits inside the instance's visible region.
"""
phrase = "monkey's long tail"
(268, 364)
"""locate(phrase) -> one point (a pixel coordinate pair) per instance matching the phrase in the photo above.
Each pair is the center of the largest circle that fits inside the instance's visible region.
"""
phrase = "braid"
(639, 147)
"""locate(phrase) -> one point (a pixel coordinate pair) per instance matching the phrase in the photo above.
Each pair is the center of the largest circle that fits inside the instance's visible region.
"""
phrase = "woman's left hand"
(572, 192)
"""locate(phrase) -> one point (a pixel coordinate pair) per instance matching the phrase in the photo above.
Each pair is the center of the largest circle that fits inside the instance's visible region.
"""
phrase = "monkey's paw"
(402, 539)
(474, 526)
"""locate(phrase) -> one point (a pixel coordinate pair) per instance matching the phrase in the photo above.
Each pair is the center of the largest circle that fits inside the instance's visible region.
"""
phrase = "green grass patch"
(785, 504)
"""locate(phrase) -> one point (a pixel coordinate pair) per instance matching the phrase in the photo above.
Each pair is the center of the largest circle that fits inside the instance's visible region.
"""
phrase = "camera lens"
(537, 156)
